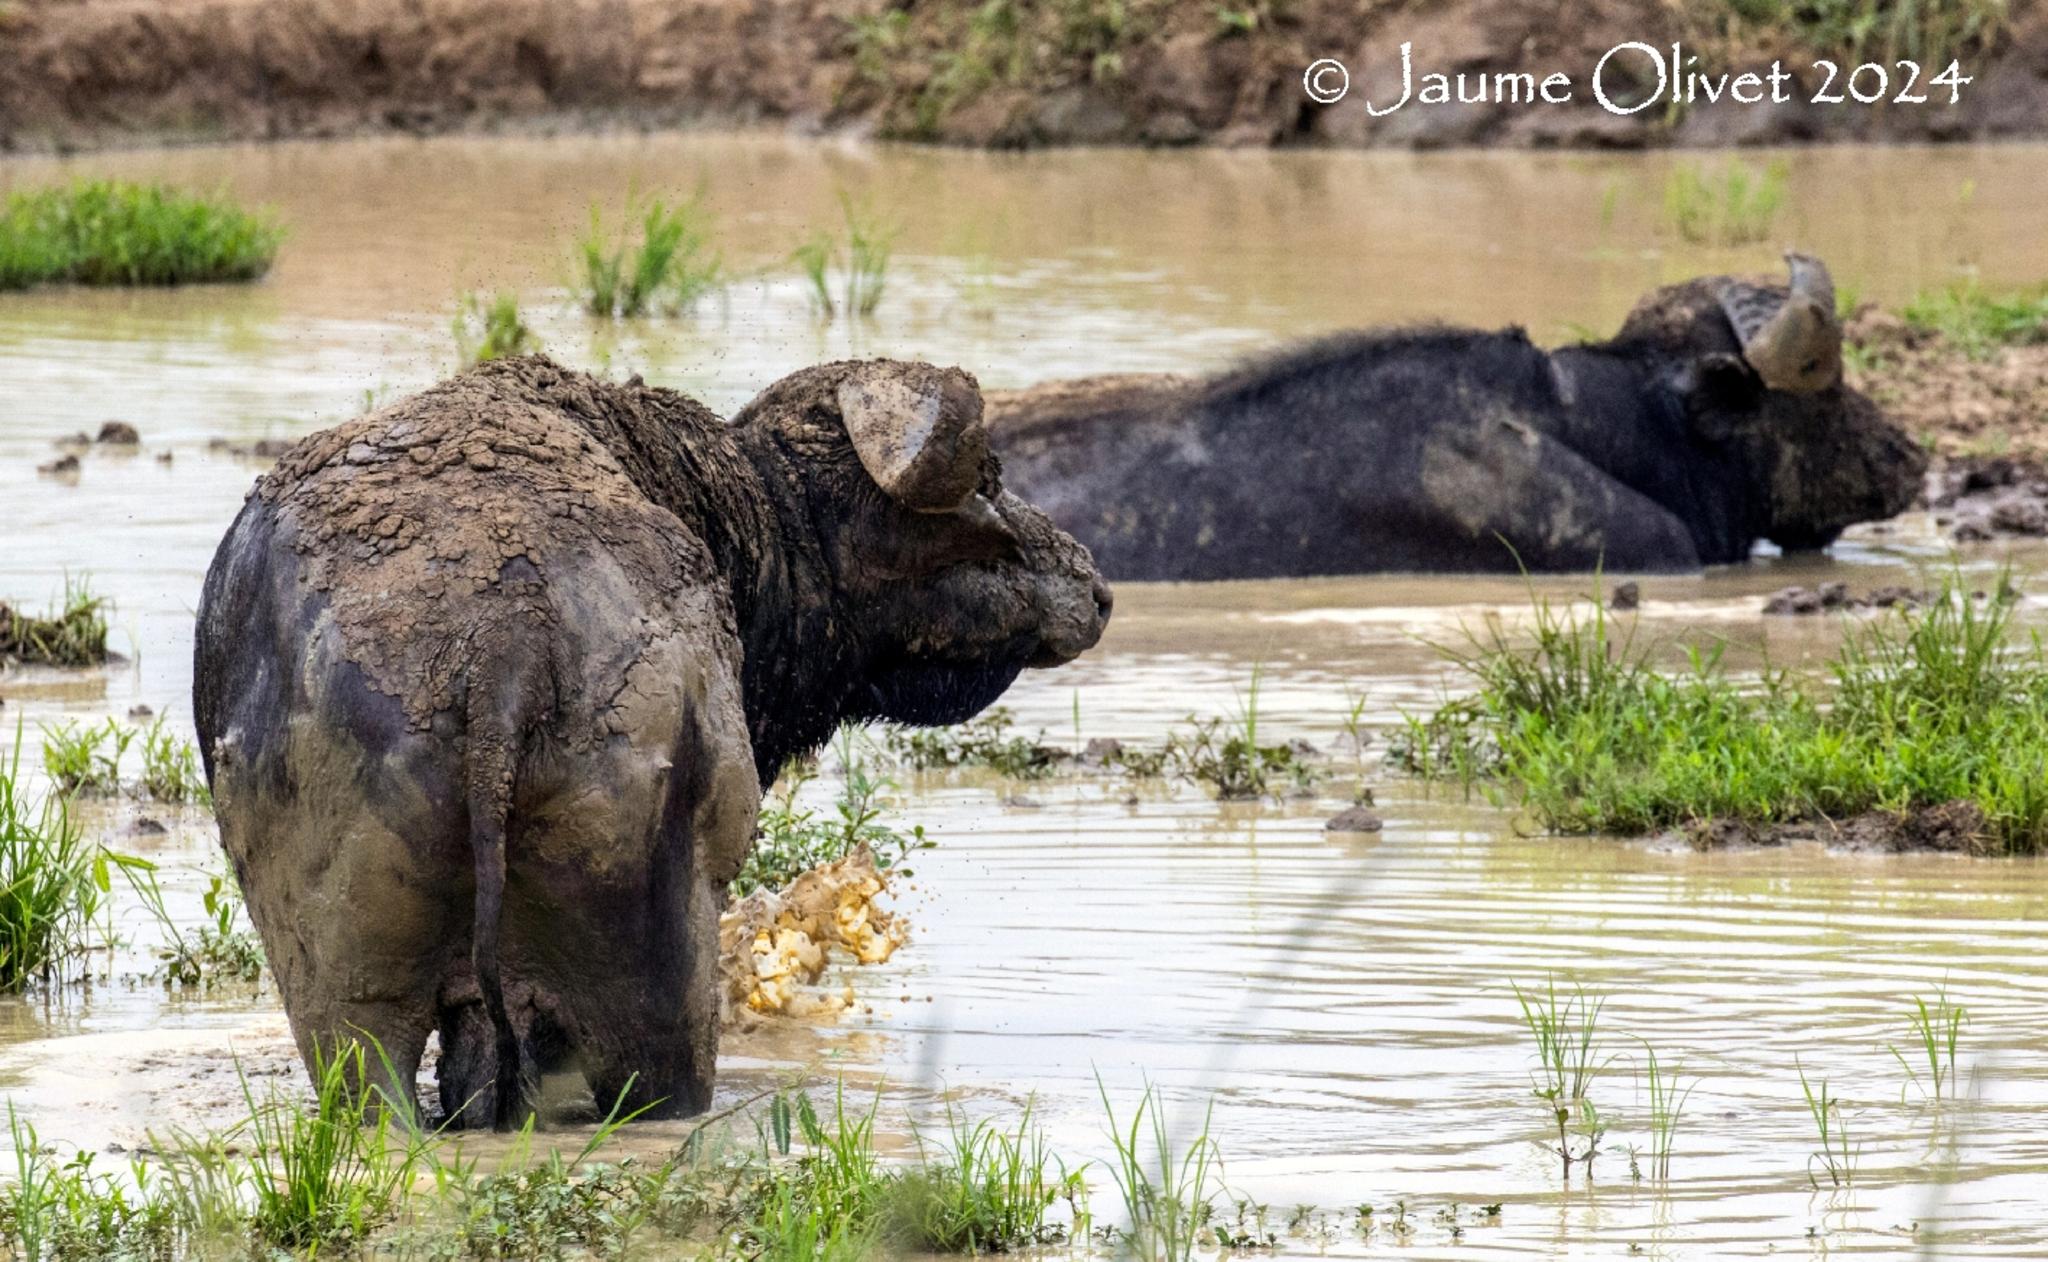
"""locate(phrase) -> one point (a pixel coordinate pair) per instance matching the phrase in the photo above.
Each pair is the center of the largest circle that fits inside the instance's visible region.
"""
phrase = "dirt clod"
(1354, 819)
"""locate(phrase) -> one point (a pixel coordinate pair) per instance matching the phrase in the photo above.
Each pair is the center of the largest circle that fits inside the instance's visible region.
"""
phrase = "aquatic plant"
(984, 1188)
(672, 266)
(223, 950)
(1919, 710)
(828, 1203)
(490, 328)
(1980, 321)
(1565, 1029)
(1226, 755)
(74, 1211)
(1836, 1156)
(863, 253)
(85, 760)
(170, 767)
(321, 1177)
(1167, 1189)
(1667, 1102)
(814, 259)
(983, 741)
(792, 839)
(51, 884)
(110, 232)
(1937, 1027)
(1734, 205)
(74, 634)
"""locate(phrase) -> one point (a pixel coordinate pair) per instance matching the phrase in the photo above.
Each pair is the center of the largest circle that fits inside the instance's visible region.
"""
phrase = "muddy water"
(1345, 1001)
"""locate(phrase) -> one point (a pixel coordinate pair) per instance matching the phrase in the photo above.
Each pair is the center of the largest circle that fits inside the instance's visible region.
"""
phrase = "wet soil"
(1957, 827)
(84, 73)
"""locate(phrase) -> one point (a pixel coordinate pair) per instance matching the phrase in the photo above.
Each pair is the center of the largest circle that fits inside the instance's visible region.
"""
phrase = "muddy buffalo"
(1715, 418)
(488, 684)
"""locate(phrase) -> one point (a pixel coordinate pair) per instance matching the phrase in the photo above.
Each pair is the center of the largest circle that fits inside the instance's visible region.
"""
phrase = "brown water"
(1346, 1000)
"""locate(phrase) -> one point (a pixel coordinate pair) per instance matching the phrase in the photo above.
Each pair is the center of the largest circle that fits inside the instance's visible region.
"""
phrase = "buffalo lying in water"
(1715, 418)
(488, 683)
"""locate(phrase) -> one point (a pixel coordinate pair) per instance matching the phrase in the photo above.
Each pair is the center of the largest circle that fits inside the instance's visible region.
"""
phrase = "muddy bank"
(1957, 827)
(83, 73)
(1981, 411)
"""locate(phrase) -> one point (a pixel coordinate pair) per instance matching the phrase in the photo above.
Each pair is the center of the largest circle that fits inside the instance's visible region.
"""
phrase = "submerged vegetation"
(1565, 1029)
(73, 634)
(331, 1172)
(51, 884)
(983, 741)
(1926, 719)
(1225, 755)
(109, 232)
(792, 840)
(669, 269)
(490, 328)
(862, 256)
(1735, 204)
(86, 760)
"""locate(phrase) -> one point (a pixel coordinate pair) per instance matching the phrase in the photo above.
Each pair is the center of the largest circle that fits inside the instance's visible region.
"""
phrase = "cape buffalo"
(1715, 418)
(488, 684)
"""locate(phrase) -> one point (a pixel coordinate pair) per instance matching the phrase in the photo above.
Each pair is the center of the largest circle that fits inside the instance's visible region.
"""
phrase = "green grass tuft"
(862, 255)
(74, 634)
(984, 1189)
(490, 328)
(792, 839)
(108, 232)
(983, 741)
(323, 1176)
(1979, 321)
(1734, 205)
(52, 883)
(1168, 1189)
(1917, 709)
(671, 267)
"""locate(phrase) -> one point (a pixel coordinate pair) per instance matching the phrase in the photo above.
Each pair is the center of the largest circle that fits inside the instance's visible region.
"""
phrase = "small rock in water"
(80, 439)
(1834, 595)
(2020, 517)
(61, 467)
(1101, 751)
(1018, 802)
(141, 712)
(1626, 596)
(147, 827)
(1354, 819)
(1971, 531)
(119, 434)
(1793, 600)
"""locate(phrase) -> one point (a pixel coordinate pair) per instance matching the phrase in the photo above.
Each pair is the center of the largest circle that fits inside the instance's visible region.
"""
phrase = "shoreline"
(78, 75)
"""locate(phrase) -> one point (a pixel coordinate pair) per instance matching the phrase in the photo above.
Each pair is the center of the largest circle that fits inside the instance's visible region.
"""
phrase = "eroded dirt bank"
(83, 73)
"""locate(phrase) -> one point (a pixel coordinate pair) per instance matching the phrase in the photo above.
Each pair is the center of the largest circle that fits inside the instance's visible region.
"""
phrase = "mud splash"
(774, 945)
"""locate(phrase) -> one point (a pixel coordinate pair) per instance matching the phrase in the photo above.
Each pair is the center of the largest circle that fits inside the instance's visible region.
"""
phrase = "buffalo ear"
(918, 430)
(1719, 391)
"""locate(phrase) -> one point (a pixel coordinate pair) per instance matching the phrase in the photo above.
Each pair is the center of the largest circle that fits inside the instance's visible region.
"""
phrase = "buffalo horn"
(1793, 343)
(918, 431)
